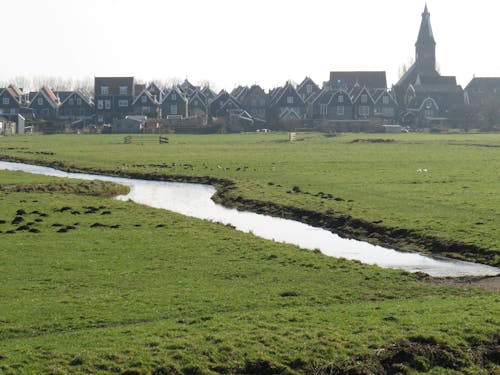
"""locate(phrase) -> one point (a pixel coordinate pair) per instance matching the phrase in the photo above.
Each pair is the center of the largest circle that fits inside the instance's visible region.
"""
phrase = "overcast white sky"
(232, 42)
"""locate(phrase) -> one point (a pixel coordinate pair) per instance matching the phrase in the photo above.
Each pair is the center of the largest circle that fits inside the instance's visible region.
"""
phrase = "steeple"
(425, 47)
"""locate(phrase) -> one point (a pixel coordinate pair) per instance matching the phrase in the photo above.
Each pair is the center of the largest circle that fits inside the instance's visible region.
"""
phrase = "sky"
(235, 42)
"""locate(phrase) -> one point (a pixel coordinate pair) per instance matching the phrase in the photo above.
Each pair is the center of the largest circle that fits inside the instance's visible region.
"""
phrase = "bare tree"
(405, 66)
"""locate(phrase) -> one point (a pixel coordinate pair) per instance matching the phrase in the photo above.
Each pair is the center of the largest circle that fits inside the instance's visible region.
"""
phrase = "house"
(287, 105)
(76, 106)
(197, 106)
(146, 104)
(155, 92)
(208, 93)
(422, 90)
(174, 104)
(482, 91)
(11, 100)
(332, 105)
(45, 104)
(222, 104)
(113, 98)
(363, 103)
(255, 101)
(385, 105)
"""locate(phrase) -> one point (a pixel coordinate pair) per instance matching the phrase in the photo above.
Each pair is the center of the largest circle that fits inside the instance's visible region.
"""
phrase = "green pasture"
(96, 285)
(446, 186)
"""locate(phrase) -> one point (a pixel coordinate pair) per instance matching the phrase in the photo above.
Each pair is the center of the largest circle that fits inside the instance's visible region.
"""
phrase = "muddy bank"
(341, 224)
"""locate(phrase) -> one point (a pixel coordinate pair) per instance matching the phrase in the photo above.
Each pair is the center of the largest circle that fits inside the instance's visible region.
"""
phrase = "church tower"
(425, 47)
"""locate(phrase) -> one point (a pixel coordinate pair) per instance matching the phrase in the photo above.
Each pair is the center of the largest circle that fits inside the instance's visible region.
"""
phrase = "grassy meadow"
(95, 285)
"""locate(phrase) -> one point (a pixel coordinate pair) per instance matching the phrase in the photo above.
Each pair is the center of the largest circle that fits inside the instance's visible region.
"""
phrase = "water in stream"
(195, 200)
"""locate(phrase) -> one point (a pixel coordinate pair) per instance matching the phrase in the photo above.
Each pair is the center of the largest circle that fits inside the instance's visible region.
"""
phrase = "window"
(323, 109)
(289, 99)
(40, 101)
(100, 104)
(104, 90)
(78, 101)
(123, 90)
(145, 110)
(429, 113)
(340, 110)
(71, 101)
(144, 99)
(173, 96)
(309, 88)
(107, 104)
(123, 103)
(385, 99)
(341, 99)
(364, 98)
(100, 119)
(6, 101)
(364, 110)
(173, 109)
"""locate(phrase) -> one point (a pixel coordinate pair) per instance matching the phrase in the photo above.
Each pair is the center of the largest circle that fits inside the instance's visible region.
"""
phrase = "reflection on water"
(195, 200)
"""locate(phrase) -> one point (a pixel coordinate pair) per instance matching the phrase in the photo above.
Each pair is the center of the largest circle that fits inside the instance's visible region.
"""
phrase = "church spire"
(425, 56)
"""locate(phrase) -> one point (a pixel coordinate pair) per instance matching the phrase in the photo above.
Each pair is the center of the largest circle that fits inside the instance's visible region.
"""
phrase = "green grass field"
(95, 285)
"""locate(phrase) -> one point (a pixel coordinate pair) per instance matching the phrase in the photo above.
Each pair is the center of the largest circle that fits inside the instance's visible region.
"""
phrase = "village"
(347, 101)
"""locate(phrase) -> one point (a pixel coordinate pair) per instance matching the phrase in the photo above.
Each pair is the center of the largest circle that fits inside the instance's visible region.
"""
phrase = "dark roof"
(435, 80)
(369, 79)
(425, 35)
(63, 95)
(485, 84)
(114, 84)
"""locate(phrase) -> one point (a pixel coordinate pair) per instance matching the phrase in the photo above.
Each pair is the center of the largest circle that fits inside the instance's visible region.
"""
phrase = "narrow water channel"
(195, 200)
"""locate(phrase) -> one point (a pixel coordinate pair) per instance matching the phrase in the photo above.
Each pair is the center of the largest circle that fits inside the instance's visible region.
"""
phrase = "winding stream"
(195, 200)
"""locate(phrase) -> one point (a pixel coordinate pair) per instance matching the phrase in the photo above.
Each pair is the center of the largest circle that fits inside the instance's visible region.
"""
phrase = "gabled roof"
(371, 79)
(384, 93)
(198, 95)
(114, 84)
(49, 96)
(187, 86)
(288, 86)
(84, 97)
(208, 92)
(364, 90)
(290, 112)
(302, 90)
(148, 95)
(12, 93)
(426, 100)
(176, 90)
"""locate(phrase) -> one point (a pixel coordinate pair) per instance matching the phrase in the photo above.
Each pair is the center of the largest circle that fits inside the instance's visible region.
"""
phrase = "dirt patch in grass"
(92, 188)
(488, 282)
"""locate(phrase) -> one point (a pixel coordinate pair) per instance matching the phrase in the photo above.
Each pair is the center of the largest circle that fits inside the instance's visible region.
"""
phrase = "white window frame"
(122, 103)
(104, 90)
(385, 99)
(173, 96)
(340, 110)
(309, 88)
(107, 104)
(100, 104)
(40, 101)
(123, 90)
(289, 99)
(6, 101)
(364, 98)
(364, 110)
(78, 101)
(340, 99)
(144, 99)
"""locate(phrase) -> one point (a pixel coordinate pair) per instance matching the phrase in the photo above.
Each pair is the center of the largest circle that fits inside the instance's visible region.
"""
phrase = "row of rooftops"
(352, 83)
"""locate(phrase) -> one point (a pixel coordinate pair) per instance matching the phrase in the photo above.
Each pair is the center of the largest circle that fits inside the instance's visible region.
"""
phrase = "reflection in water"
(195, 200)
